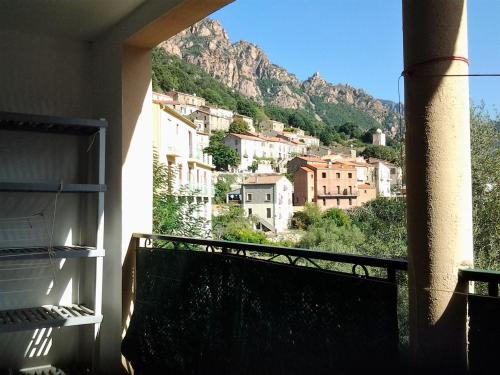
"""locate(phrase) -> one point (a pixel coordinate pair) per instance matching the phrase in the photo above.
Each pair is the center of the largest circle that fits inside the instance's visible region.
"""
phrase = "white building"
(382, 177)
(268, 198)
(379, 138)
(213, 119)
(180, 146)
(309, 140)
(249, 147)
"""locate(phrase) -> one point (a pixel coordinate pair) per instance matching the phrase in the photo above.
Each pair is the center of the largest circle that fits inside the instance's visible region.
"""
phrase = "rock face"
(245, 68)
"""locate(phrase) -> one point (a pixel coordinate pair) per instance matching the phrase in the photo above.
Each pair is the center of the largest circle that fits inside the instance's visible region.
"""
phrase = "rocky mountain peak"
(246, 68)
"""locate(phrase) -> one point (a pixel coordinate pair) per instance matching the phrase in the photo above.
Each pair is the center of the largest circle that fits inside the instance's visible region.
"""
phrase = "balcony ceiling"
(80, 19)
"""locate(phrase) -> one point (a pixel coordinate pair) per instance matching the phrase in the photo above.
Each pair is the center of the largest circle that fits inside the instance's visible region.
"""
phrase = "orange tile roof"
(248, 137)
(366, 186)
(312, 158)
(332, 166)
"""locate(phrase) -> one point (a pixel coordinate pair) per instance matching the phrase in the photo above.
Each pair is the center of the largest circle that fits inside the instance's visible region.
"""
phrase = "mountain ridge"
(246, 68)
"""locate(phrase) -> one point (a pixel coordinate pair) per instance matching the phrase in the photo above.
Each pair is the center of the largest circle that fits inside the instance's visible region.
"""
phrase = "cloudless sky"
(359, 42)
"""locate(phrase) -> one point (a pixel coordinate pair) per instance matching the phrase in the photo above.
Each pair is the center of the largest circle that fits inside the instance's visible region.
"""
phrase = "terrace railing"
(484, 319)
(210, 306)
(206, 306)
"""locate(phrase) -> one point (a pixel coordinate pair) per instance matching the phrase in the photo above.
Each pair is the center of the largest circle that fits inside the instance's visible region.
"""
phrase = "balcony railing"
(339, 194)
(206, 306)
(201, 157)
(224, 307)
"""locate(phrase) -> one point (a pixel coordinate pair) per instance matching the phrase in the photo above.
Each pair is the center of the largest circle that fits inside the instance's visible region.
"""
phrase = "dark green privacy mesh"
(210, 313)
(484, 334)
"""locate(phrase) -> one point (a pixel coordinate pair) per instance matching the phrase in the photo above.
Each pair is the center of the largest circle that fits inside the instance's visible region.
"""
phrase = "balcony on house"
(345, 192)
(201, 157)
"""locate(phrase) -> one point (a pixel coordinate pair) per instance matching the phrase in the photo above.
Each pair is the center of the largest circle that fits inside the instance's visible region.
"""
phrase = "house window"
(249, 212)
(323, 175)
(338, 202)
(268, 210)
(338, 189)
(338, 175)
(324, 201)
(349, 175)
(350, 189)
(324, 189)
(350, 201)
(268, 197)
(249, 197)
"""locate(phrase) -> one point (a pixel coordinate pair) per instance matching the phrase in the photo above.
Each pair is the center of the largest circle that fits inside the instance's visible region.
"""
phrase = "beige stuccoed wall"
(438, 181)
(122, 94)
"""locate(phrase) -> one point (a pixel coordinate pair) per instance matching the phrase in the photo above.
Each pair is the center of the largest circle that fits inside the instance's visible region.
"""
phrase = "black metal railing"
(491, 278)
(238, 308)
(365, 287)
(484, 323)
(276, 253)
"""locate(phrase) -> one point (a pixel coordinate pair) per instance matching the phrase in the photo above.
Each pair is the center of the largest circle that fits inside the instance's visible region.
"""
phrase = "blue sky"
(358, 42)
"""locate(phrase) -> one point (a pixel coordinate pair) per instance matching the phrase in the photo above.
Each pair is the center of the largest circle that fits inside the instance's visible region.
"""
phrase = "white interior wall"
(43, 75)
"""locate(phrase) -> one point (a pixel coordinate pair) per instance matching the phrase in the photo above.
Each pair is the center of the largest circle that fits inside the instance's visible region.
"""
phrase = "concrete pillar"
(438, 180)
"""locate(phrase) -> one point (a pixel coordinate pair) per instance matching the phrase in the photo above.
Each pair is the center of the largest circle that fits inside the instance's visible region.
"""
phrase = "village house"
(378, 138)
(268, 199)
(329, 185)
(184, 103)
(180, 146)
(249, 147)
(212, 119)
(191, 99)
(268, 125)
(309, 140)
(248, 120)
(302, 161)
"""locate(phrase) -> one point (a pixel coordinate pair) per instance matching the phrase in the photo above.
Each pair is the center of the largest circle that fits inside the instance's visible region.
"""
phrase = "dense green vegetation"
(233, 225)
(485, 141)
(381, 152)
(238, 126)
(174, 214)
(223, 156)
(338, 114)
(222, 187)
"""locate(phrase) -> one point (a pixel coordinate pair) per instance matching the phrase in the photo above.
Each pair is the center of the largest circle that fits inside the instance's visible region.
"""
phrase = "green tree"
(485, 160)
(247, 107)
(222, 187)
(383, 223)
(350, 129)
(223, 156)
(381, 152)
(367, 137)
(175, 212)
(327, 235)
(310, 215)
(238, 126)
(233, 225)
(339, 217)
